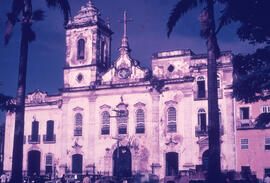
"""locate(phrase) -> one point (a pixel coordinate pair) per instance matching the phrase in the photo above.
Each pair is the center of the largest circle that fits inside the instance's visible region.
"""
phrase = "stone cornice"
(139, 104)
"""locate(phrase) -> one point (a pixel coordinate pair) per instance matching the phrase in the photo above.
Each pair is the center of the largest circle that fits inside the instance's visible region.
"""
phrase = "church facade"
(120, 118)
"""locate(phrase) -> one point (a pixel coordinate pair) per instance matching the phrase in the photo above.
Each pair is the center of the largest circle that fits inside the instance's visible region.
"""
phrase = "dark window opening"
(50, 130)
(77, 160)
(244, 113)
(202, 121)
(171, 164)
(33, 163)
(34, 135)
(201, 89)
(81, 49)
(171, 68)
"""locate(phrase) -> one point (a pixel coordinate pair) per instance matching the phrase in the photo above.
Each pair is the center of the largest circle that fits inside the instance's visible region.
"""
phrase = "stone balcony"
(49, 139)
(244, 123)
(201, 133)
(205, 97)
(33, 140)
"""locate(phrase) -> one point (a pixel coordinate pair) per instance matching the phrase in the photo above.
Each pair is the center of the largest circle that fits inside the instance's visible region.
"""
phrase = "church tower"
(88, 48)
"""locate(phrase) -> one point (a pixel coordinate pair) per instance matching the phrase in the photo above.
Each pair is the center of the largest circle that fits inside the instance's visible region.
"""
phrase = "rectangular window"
(244, 143)
(245, 169)
(140, 128)
(50, 130)
(267, 143)
(172, 127)
(265, 109)
(34, 135)
(122, 130)
(78, 131)
(201, 89)
(244, 113)
(267, 172)
(105, 130)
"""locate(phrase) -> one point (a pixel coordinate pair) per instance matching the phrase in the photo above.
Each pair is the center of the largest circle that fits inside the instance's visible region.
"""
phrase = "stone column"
(92, 129)
(155, 132)
(62, 137)
(229, 149)
(187, 150)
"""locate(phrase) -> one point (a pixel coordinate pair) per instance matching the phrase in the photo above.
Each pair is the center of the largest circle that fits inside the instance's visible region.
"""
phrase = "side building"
(253, 140)
(120, 118)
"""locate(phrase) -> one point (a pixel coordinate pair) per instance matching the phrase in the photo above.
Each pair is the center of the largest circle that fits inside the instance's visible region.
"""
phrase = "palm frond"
(17, 7)
(225, 18)
(38, 15)
(181, 8)
(63, 5)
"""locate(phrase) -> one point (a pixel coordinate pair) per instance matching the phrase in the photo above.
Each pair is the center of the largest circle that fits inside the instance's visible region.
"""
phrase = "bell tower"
(88, 48)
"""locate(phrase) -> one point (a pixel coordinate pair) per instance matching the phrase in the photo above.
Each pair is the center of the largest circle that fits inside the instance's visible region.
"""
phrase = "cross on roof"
(125, 21)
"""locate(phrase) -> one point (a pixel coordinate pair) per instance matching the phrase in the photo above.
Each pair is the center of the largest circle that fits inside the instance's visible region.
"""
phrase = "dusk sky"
(146, 34)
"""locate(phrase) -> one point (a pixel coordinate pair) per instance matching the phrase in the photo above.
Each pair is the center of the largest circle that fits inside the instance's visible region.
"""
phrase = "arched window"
(49, 163)
(80, 49)
(140, 121)
(202, 120)
(105, 129)
(201, 87)
(78, 124)
(122, 122)
(171, 119)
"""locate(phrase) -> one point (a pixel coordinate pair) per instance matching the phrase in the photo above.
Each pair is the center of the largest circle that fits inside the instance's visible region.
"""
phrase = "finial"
(124, 46)
(90, 3)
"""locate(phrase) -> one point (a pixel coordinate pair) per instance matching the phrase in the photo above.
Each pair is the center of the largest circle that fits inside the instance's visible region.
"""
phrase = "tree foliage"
(6, 103)
(251, 71)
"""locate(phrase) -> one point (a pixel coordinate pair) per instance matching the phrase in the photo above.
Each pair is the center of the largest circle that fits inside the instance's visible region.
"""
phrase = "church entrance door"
(77, 163)
(122, 162)
(205, 158)
(171, 164)
(33, 163)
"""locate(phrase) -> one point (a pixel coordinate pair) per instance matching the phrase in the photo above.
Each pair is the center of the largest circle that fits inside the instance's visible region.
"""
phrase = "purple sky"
(146, 34)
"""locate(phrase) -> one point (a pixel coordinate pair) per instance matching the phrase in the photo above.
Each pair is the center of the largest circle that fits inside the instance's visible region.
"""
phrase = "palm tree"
(208, 32)
(28, 17)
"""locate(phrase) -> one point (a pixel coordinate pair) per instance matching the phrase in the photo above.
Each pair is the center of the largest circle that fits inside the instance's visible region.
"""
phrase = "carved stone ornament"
(77, 109)
(76, 145)
(105, 106)
(37, 97)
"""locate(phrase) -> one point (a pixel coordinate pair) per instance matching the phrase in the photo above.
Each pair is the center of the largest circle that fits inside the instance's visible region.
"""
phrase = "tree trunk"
(214, 168)
(17, 156)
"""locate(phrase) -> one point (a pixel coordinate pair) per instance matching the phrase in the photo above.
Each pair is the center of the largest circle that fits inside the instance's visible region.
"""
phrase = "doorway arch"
(33, 163)
(205, 159)
(171, 164)
(122, 162)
